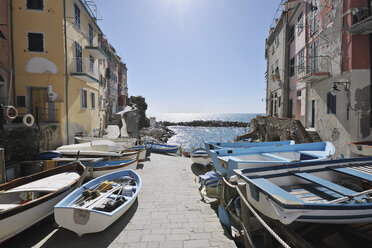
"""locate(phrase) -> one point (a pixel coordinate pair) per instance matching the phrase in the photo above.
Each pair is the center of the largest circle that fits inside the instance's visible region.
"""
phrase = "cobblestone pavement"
(168, 213)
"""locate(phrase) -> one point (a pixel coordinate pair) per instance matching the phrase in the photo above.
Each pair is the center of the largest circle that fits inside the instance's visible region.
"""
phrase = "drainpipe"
(12, 50)
(66, 72)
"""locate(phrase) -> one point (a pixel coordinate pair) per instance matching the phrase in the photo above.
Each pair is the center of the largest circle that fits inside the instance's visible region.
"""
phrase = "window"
(84, 103)
(279, 101)
(292, 67)
(272, 69)
(90, 35)
(299, 24)
(299, 93)
(93, 99)
(78, 55)
(21, 101)
(331, 103)
(314, 17)
(35, 42)
(77, 16)
(291, 33)
(301, 62)
(91, 64)
(35, 4)
(101, 102)
(277, 40)
(314, 57)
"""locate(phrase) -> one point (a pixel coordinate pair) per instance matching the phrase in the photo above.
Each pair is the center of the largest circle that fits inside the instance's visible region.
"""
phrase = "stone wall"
(22, 143)
(267, 128)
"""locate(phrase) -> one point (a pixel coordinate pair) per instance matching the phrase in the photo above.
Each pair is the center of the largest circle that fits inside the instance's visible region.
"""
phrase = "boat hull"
(124, 142)
(15, 224)
(159, 148)
(361, 148)
(84, 220)
(100, 171)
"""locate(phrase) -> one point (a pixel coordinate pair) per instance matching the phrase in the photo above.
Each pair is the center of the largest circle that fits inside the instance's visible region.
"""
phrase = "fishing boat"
(210, 184)
(125, 142)
(361, 148)
(141, 150)
(200, 156)
(161, 148)
(332, 192)
(96, 145)
(221, 145)
(98, 203)
(83, 153)
(27, 200)
(47, 155)
(226, 160)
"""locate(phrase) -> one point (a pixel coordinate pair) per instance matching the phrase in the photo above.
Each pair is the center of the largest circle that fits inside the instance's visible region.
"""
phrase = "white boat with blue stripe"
(97, 204)
(226, 160)
(333, 192)
(222, 145)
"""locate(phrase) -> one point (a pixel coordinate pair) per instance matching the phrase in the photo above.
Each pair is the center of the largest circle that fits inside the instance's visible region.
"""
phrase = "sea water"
(193, 137)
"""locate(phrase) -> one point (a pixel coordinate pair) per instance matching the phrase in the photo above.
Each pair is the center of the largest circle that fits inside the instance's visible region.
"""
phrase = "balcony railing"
(85, 69)
(316, 68)
(95, 49)
(362, 18)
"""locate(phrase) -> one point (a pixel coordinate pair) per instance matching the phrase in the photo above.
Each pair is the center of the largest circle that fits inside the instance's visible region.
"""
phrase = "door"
(39, 103)
(313, 113)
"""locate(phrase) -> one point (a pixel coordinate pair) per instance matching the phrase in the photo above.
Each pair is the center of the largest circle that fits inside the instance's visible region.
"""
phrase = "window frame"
(292, 67)
(331, 104)
(93, 100)
(28, 41)
(39, 10)
(77, 17)
(300, 20)
(84, 96)
(301, 60)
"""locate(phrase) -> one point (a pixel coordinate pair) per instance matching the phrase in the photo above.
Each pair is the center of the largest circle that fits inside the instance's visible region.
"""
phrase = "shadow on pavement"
(199, 169)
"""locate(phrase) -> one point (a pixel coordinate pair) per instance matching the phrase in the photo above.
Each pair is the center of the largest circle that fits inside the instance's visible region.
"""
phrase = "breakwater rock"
(158, 134)
(200, 123)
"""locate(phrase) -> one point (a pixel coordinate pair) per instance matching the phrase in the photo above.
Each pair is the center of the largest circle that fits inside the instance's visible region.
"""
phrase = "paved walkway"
(168, 213)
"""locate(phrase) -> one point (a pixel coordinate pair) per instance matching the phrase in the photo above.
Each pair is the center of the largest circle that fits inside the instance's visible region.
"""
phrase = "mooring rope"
(271, 231)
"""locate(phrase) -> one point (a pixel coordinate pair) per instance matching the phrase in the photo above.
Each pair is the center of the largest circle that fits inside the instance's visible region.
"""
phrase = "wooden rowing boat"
(83, 213)
(27, 200)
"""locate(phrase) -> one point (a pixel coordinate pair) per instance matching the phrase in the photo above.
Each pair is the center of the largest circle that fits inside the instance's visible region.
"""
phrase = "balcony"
(85, 70)
(95, 49)
(362, 19)
(317, 69)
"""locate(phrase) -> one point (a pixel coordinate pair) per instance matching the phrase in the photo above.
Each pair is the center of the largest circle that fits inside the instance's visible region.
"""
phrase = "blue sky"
(192, 56)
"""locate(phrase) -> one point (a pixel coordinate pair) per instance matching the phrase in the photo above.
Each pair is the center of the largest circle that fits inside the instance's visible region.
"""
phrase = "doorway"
(298, 110)
(38, 103)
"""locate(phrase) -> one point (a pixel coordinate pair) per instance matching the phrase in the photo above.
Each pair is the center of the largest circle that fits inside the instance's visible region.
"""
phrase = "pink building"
(4, 54)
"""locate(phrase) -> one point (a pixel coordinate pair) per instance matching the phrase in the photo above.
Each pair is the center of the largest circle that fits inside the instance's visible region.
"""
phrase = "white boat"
(332, 192)
(125, 142)
(141, 150)
(83, 153)
(226, 160)
(82, 212)
(96, 145)
(101, 168)
(27, 200)
(200, 156)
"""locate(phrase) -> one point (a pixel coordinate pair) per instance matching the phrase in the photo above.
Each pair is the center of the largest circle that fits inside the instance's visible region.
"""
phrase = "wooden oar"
(102, 197)
(350, 197)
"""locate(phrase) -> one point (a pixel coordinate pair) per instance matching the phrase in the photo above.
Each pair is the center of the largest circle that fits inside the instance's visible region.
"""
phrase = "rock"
(158, 134)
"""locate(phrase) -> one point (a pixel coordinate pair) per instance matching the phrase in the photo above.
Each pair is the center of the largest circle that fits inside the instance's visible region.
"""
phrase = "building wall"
(276, 70)
(4, 53)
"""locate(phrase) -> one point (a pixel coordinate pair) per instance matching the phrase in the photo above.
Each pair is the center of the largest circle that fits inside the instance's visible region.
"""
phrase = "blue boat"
(221, 145)
(332, 192)
(226, 160)
(47, 155)
(97, 204)
(160, 148)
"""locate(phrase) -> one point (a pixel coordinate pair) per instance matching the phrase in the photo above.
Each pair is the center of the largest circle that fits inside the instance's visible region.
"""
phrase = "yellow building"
(59, 64)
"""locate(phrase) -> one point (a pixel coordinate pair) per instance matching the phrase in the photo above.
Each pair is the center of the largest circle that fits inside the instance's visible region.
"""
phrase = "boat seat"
(326, 184)
(275, 191)
(351, 172)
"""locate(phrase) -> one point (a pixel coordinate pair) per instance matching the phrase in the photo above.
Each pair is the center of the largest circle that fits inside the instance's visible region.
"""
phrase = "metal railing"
(362, 11)
(84, 66)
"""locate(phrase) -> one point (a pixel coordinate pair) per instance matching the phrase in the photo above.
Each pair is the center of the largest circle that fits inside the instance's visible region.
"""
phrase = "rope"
(271, 231)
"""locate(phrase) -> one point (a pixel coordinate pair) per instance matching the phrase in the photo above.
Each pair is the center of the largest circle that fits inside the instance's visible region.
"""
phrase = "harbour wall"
(22, 143)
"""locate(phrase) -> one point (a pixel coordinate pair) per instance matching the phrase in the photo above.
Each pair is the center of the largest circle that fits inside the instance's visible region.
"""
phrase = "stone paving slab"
(169, 213)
